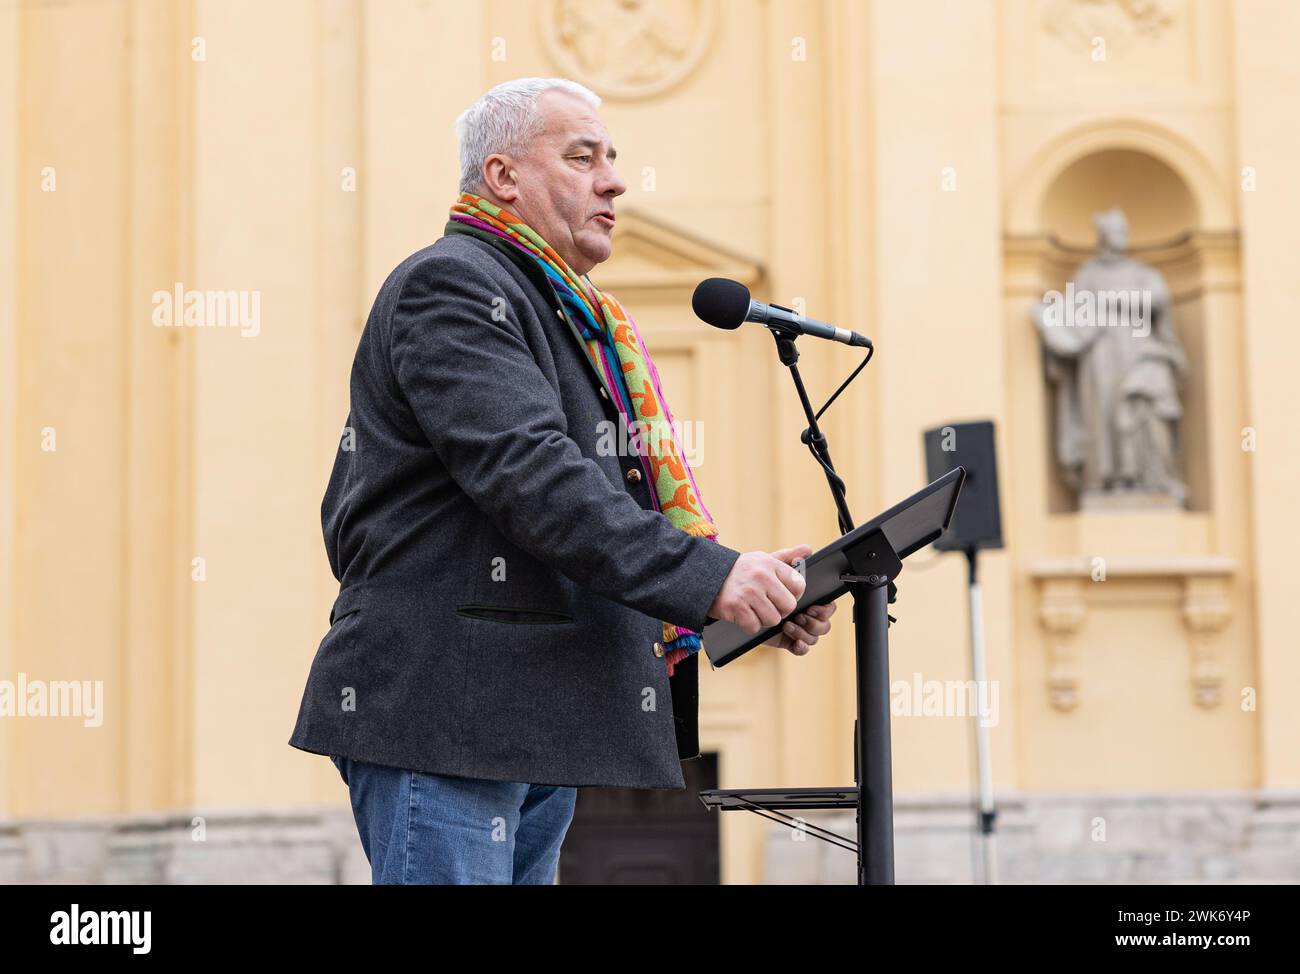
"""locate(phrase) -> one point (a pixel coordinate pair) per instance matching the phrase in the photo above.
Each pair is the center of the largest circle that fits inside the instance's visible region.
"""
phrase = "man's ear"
(501, 178)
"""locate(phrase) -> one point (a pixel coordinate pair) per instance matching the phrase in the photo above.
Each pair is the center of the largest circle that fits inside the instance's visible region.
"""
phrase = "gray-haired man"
(507, 588)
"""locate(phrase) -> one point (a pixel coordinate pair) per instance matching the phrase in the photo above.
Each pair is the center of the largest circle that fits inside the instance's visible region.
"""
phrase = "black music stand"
(864, 561)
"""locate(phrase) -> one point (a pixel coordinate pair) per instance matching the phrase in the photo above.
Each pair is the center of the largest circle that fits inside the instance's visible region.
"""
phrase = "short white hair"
(505, 120)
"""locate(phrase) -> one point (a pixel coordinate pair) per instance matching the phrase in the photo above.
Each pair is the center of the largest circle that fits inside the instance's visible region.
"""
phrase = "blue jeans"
(418, 827)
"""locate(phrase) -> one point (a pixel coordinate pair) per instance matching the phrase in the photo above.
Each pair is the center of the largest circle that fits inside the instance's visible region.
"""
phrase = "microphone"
(725, 303)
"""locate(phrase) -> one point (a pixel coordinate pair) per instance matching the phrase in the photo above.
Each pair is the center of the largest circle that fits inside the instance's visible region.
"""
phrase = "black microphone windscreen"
(721, 302)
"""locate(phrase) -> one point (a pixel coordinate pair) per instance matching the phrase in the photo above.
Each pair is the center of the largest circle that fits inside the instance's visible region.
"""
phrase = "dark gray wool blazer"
(501, 582)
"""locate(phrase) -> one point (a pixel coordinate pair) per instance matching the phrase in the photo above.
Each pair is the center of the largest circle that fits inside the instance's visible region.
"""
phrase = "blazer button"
(634, 476)
(659, 649)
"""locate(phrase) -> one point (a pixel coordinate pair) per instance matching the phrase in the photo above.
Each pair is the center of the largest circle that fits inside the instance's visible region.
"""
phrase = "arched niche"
(1023, 209)
(1159, 205)
(1177, 217)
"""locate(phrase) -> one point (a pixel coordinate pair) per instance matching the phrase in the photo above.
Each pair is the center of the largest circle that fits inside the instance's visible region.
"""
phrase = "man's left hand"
(799, 634)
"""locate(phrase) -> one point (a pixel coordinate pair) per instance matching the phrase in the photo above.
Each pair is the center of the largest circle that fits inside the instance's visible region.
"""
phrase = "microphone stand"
(874, 565)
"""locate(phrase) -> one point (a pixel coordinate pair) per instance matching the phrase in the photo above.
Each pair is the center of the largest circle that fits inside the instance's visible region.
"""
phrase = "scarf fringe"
(700, 528)
(673, 657)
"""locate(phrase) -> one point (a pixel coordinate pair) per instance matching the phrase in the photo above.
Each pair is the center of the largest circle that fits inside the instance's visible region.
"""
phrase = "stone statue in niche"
(1115, 363)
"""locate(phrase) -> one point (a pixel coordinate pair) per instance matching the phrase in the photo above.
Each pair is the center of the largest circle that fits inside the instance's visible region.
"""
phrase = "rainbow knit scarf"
(630, 378)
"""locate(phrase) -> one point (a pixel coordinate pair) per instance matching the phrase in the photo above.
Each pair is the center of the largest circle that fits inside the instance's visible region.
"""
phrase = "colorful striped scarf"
(630, 378)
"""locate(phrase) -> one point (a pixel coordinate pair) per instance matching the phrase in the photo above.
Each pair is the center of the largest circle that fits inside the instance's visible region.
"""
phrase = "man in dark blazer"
(496, 641)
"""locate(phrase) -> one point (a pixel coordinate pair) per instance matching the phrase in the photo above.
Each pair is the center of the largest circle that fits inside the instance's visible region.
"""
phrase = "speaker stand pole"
(987, 809)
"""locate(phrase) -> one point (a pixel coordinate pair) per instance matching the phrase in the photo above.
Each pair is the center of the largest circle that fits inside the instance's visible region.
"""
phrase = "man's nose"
(611, 184)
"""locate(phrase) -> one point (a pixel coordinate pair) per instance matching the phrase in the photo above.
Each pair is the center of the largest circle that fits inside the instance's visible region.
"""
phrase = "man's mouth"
(605, 215)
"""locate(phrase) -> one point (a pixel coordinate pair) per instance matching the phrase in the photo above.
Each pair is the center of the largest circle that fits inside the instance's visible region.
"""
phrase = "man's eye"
(587, 157)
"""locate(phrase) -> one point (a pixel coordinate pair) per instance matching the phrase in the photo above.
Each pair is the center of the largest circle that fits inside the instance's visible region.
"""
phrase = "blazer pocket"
(349, 601)
(515, 616)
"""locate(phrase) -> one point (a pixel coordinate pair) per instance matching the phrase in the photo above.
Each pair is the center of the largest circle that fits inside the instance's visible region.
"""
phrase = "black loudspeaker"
(977, 522)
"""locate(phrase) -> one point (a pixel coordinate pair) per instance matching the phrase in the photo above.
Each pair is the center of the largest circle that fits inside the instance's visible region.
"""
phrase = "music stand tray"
(908, 526)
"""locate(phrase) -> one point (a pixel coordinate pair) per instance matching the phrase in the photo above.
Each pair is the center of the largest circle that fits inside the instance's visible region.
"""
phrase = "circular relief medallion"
(627, 48)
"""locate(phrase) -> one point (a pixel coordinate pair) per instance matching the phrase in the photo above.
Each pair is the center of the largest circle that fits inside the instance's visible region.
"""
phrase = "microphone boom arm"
(813, 436)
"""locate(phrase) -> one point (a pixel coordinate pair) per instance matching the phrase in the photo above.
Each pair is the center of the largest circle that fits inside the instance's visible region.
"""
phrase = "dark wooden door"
(645, 837)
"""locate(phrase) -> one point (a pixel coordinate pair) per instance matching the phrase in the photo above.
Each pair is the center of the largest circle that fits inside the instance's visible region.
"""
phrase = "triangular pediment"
(653, 255)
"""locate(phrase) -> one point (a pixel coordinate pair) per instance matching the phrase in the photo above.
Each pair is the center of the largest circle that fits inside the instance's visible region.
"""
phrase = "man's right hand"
(761, 589)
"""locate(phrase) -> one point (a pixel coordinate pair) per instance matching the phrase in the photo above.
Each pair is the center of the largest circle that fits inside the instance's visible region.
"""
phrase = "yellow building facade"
(919, 172)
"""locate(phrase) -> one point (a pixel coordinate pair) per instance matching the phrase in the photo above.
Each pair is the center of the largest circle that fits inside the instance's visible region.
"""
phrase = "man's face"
(566, 182)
